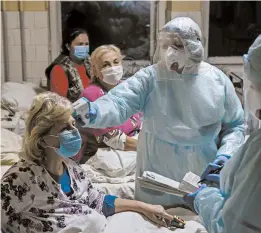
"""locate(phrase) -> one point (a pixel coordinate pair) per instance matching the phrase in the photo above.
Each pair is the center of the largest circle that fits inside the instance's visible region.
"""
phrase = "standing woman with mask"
(69, 73)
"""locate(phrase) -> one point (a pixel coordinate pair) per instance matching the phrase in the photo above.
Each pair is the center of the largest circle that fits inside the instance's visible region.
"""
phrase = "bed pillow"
(17, 96)
(11, 144)
(114, 163)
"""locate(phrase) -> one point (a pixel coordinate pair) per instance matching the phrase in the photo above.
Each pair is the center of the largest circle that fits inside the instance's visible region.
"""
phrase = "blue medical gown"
(236, 206)
(183, 116)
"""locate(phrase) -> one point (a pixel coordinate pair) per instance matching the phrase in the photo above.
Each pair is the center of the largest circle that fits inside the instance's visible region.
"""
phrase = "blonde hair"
(100, 51)
(46, 110)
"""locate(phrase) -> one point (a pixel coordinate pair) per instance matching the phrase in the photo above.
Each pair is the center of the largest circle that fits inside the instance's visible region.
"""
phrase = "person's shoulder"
(92, 92)
(93, 87)
(149, 69)
(57, 68)
(22, 171)
(217, 73)
(146, 73)
(206, 67)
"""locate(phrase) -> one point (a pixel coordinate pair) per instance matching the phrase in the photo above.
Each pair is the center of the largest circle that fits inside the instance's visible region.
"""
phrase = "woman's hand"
(157, 214)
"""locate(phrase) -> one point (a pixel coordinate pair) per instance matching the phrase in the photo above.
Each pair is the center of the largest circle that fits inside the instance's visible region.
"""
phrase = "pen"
(214, 172)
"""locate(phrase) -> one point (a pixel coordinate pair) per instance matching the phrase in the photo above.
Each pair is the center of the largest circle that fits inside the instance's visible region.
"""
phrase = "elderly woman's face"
(106, 60)
(56, 129)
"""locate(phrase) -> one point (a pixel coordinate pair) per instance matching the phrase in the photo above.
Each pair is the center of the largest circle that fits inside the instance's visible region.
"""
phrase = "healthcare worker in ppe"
(185, 103)
(252, 100)
(236, 206)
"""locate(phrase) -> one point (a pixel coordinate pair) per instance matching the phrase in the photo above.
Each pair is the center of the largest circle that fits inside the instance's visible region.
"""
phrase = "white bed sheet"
(121, 186)
(113, 171)
(130, 222)
(11, 144)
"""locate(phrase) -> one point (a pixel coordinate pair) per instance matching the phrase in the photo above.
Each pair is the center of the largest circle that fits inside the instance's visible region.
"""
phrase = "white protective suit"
(236, 206)
(184, 114)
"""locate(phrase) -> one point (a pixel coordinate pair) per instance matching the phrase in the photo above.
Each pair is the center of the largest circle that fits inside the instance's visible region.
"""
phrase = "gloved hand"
(221, 160)
(190, 198)
(91, 114)
(211, 168)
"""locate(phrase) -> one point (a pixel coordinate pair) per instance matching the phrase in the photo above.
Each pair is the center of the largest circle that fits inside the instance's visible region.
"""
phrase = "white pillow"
(18, 96)
(11, 145)
(114, 163)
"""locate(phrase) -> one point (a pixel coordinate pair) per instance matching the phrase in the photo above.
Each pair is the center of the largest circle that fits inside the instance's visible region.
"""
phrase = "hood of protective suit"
(253, 62)
(190, 35)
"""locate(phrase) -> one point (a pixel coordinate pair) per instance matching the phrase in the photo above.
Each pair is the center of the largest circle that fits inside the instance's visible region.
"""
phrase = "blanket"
(130, 222)
(11, 144)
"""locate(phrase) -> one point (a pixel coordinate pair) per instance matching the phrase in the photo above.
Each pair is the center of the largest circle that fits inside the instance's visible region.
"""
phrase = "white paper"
(190, 182)
(160, 183)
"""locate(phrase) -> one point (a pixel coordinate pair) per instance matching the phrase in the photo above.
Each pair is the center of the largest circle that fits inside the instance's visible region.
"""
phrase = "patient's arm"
(155, 213)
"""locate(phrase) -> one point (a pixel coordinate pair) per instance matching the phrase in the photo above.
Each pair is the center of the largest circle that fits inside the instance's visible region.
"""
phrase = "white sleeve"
(117, 142)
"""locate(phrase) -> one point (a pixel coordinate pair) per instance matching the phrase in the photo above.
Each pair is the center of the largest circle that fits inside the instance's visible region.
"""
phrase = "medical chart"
(157, 182)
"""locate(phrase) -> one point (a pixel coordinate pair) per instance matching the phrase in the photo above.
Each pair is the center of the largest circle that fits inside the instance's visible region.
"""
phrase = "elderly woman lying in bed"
(47, 191)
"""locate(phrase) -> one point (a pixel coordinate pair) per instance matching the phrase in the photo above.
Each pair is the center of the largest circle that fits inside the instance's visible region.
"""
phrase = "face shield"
(170, 51)
(252, 87)
(252, 106)
(179, 46)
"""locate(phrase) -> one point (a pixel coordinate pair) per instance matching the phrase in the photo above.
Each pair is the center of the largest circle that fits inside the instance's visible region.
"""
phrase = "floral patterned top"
(33, 202)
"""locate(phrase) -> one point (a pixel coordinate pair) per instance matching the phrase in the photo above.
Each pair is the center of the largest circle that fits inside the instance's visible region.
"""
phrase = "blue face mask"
(81, 52)
(70, 143)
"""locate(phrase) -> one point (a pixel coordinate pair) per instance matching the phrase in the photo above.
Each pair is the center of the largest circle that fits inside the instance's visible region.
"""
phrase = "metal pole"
(50, 41)
(5, 44)
(55, 28)
(205, 26)
(21, 19)
(152, 28)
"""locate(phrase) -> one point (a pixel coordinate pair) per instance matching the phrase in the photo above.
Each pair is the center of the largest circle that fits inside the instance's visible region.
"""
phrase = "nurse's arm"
(208, 204)
(232, 134)
(123, 101)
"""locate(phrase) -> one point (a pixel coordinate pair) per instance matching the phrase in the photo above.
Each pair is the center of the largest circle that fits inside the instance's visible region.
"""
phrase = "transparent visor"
(252, 106)
(247, 82)
(166, 42)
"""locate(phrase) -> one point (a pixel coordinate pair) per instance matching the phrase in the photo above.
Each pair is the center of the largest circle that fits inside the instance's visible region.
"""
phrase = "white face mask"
(112, 75)
(175, 58)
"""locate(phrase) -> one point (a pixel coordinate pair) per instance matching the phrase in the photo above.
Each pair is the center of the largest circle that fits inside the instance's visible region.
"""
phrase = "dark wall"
(123, 23)
(233, 27)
